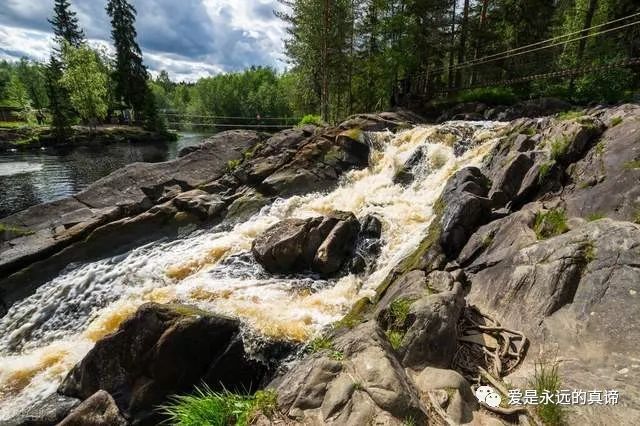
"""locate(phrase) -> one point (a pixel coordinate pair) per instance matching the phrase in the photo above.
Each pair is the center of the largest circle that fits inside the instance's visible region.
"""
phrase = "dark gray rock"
(164, 350)
(47, 412)
(322, 244)
(98, 410)
(368, 384)
(431, 337)
(465, 208)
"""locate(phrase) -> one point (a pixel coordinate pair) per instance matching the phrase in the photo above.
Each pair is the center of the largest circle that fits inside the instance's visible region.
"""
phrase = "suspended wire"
(554, 38)
(493, 58)
(216, 117)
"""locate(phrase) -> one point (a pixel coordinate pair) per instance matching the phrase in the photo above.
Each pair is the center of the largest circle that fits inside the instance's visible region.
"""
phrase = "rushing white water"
(43, 336)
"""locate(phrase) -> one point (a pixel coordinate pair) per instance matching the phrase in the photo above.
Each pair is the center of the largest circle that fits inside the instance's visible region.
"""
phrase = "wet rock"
(431, 337)
(246, 204)
(98, 410)
(383, 121)
(405, 175)
(164, 350)
(322, 244)
(410, 286)
(47, 412)
(367, 385)
(199, 203)
(465, 208)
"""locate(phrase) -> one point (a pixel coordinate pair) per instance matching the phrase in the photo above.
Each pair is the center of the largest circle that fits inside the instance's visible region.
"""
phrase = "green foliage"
(232, 165)
(546, 378)
(311, 119)
(550, 223)
(592, 217)
(409, 421)
(489, 95)
(319, 344)
(85, 82)
(395, 338)
(609, 85)
(570, 115)
(207, 407)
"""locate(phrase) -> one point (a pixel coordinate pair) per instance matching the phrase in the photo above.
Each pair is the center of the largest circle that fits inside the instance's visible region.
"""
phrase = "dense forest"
(346, 57)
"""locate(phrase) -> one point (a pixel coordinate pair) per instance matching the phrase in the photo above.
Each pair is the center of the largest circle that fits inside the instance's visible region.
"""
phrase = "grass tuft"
(546, 378)
(545, 169)
(570, 115)
(207, 407)
(550, 223)
(632, 165)
(319, 344)
(232, 165)
(395, 338)
(399, 311)
(616, 121)
(559, 147)
(592, 217)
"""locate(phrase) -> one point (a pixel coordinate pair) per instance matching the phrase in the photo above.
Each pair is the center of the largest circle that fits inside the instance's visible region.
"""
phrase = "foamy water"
(19, 167)
(43, 336)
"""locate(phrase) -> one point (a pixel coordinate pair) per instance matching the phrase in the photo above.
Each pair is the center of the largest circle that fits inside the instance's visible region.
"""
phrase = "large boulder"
(321, 244)
(359, 381)
(466, 207)
(163, 350)
(98, 410)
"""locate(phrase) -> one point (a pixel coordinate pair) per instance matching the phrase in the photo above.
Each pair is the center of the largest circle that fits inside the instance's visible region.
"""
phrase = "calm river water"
(30, 178)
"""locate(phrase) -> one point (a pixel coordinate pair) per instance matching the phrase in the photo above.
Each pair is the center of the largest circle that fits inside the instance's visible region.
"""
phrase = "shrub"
(207, 407)
(489, 95)
(607, 85)
(546, 378)
(550, 223)
(311, 119)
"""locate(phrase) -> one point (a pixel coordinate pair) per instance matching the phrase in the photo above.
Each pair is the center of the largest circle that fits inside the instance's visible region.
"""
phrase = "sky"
(187, 38)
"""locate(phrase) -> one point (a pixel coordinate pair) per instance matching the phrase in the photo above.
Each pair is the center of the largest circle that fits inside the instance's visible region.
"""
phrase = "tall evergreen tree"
(67, 31)
(130, 74)
(65, 25)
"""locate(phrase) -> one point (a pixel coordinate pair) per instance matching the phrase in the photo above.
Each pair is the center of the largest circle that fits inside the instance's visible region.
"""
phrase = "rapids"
(45, 335)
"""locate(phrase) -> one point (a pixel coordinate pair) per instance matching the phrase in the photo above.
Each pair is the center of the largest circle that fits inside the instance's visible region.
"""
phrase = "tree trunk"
(325, 63)
(452, 52)
(582, 44)
(480, 37)
(463, 42)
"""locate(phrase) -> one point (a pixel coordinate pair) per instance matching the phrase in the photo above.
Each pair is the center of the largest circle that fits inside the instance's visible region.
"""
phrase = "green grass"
(636, 217)
(207, 407)
(592, 217)
(600, 146)
(546, 377)
(616, 121)
(545, 168)
(319, 344)
(550, 223)
(632, 165)
(409, 421)
(15, 230)
(559, 147)
(14, 124)
(395, 338)
(570, 115)
(311, 119)
(399, 311)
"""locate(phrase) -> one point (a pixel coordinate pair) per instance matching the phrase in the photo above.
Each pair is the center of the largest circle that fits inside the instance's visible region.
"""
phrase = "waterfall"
(43, 336)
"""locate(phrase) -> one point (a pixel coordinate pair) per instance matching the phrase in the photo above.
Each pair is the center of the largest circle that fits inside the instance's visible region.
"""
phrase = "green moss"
(550, 224)
(570, 115)
(616, 121)
(546, 378)
(232, 165)
(356, 314)
(636, 217)
(355, 134)
(207, 407)
(15, 230)
(487, 240)
(632, 165)
(395, 338)
(592, 217)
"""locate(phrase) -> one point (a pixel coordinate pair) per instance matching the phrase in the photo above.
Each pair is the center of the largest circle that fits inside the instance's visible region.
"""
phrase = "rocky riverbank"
(30, 138)
(531, 259)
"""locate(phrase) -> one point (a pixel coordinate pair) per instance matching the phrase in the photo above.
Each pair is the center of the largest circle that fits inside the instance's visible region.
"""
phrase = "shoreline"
(33, 138)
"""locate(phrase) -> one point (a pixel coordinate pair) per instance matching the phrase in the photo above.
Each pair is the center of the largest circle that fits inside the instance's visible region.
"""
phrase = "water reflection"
(30, 178)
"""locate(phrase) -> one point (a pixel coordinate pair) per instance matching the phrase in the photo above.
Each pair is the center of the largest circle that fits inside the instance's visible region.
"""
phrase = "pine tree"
(66, 30)
(65, 25)
(130, 73)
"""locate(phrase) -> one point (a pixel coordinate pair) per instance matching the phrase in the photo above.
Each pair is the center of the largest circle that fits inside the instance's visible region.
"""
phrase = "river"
(33, 177)
(44, 335)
